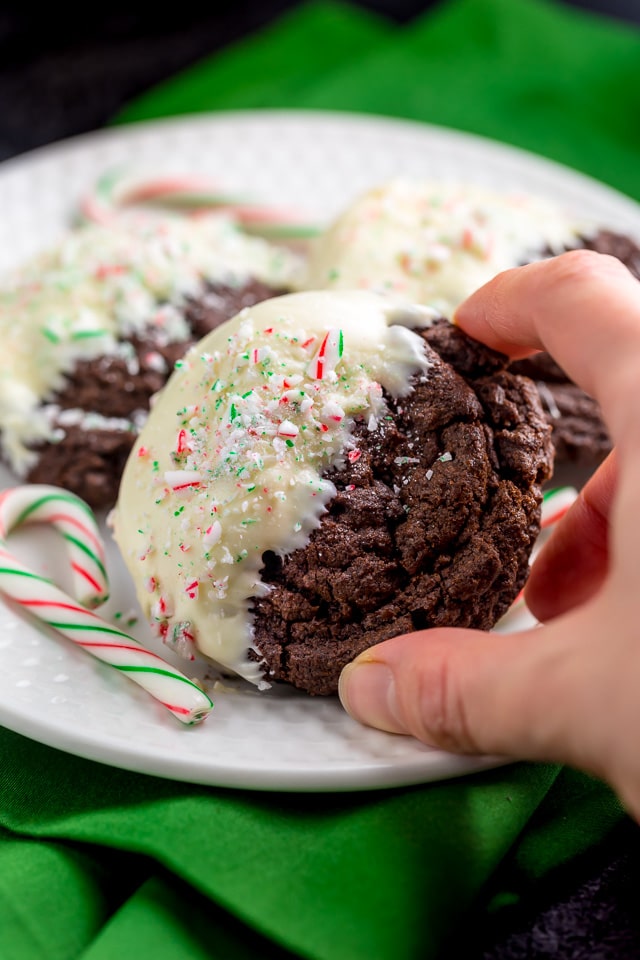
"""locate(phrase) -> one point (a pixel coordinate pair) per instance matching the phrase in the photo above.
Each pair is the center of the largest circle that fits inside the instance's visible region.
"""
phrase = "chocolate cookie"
(318, 476)
(435, 242)
(432, 526)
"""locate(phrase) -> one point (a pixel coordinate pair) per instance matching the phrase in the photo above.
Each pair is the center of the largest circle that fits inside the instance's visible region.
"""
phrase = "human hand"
(568, 691)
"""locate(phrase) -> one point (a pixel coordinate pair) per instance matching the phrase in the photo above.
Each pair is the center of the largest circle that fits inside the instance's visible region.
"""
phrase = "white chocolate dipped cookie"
(435, 242)
(91, 328)
(318, 432)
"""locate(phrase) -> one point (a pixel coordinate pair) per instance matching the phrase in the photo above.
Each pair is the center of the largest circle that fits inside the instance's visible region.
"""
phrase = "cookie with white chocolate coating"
(326, 470)
(432, 526)
(92, 327)
(438, 241)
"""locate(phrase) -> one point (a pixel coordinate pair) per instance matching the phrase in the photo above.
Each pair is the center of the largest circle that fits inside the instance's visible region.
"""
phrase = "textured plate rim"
(345, 117)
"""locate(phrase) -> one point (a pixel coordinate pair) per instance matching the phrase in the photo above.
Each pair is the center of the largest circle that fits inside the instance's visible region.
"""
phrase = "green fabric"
(68, 888)
(334, 877)
(97, 863)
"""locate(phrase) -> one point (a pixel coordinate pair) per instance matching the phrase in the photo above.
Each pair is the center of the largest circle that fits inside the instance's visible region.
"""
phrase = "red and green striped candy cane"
(74, 521)
(555, 504)
(40, 597)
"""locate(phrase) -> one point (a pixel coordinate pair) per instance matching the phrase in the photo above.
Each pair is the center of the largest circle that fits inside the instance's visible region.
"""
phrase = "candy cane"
(193, 195)
(73, 519)
(42, 598)
(555, 504)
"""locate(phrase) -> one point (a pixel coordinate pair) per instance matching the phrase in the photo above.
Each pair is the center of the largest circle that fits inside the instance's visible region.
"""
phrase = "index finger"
(581, 307)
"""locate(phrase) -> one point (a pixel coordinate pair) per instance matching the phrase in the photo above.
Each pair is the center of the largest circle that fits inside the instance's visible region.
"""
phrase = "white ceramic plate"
(281, 740)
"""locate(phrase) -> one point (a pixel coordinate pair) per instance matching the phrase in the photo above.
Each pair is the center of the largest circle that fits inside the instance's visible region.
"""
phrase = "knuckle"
(439, 709)
(586, 265)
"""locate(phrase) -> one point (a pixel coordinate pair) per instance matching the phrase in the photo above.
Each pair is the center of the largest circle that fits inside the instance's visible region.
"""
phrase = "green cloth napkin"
(101, 863)
(97, 863)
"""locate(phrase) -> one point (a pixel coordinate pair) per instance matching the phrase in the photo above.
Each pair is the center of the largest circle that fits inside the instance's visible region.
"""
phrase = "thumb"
(466, 691)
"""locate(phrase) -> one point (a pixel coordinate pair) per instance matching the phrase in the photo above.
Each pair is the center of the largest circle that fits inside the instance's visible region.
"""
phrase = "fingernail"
(368, 693)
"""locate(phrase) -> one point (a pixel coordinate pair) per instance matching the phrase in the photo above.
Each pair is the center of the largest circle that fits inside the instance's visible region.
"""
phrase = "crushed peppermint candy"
(98, 288)
(180, 479)
(212, 534)
(247, 433)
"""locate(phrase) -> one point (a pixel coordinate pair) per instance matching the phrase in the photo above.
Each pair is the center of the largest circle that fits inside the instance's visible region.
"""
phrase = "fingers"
(574, 562)
(568, 690)
(582, 307)
(471, 692)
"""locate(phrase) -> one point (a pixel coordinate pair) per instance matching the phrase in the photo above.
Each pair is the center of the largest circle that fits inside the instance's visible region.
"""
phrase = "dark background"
(64, 71)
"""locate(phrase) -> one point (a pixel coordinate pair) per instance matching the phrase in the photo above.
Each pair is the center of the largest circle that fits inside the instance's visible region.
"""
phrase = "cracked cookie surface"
(432, 526)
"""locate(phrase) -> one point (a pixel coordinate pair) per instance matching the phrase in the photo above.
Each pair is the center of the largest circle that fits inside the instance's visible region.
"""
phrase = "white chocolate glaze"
(434, 242)
(236, 455)
(101, 284)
